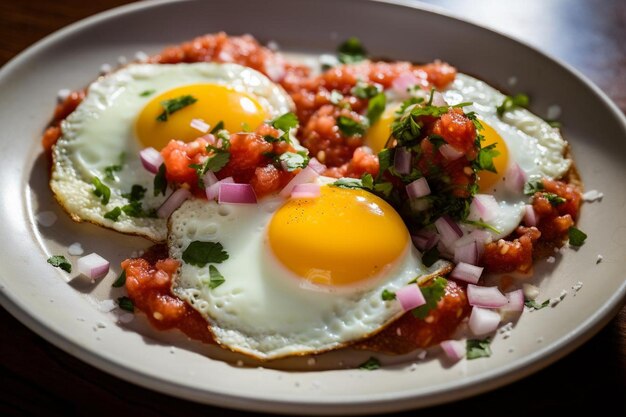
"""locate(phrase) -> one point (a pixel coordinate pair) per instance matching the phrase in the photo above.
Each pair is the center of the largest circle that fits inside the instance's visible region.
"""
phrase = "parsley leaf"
(216, 279)
(109, 172)
(286, 122)
(175, 104)
(531, 187)
(432, 293)
(147, 93)
(160, 182)
(201, 253)
(536, 305)
(430, 256)
(59, 261)
(376, 107)
(576, 236)
(364, 90)
(113, 214)
(291, 161)
(484, 160)
(101, 190)
(512, 102)
(351, 51)
(219, 126)
(126, 303)
(554, 199)
(370, 364)
(120, 281)
(134, 209)
(478, 348)
(350, 127)
(388, 295)
(137, 192)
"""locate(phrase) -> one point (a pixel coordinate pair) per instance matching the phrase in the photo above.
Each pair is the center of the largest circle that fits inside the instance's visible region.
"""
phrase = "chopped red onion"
(209, 179)
(307, 175)
(439, 100)
(425, 239)
(419, 242)
(151, 159)
(486, 297)
(199, 125)
(402, 160)
(449, 231)
(175, 200)
(450, 152)
(403, 82)
(232, 193)
(454, 349)
(410, 297)
(93, 266)
(530, 216)
(515, 178)
(467, 253)
(466, 272)
(483, 321)
(213, 190)
(305, 191)
(418, 188)
(317, 166)
(484, 207)
(515, 302)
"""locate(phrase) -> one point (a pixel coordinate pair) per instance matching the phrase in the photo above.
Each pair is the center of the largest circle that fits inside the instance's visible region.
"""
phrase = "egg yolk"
(378, 134)
(343, 237)
(214, 103)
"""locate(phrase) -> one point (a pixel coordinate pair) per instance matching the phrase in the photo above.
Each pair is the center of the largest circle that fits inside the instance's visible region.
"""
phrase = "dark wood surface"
(40, 379)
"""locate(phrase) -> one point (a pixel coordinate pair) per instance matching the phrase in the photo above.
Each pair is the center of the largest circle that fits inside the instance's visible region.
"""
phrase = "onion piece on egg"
(232, 193)
(151, 159)
(93, 266)
(175, 200)
(317, 166)
(410, 297)
(305, 191)
(483, 207)
(515, 178)
(307, 175)
(466, 272)
(483, 321)
(212, 190)
(454, 349)
(200, 125)
(486, 297)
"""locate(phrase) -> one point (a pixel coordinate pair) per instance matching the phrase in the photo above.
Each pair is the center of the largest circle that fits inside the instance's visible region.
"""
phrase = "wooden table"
(38, 378)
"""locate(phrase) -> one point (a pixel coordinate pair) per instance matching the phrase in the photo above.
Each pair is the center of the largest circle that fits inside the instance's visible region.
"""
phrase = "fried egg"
(302, 276)
(119, 116)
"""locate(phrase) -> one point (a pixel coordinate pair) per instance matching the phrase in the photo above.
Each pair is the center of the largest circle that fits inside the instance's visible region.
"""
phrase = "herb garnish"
(147, 93)
(137, 192)
(576, 236)
(554, 199)
(59, 261)
(201, 253)
(370, 364)
(126, 303)
(351, 51)
(432, 293)
(484, 160)
(101, 190)
(175, 104)
(512, 102)
(286, 122)
(113, 214)
(219, 126)
(534, 304)
(364, 90)
(216, 279)
(533, 186)
(120, 281)
(350, 127)
(292, 161)
(160, 181)
(135, 209)
(478, 348)
(109, 172)
(388, 295)
(376, 107)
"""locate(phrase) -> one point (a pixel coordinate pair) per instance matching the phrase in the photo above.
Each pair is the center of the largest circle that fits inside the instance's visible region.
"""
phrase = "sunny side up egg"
(302, 275)
(521, 138)
(119, 116)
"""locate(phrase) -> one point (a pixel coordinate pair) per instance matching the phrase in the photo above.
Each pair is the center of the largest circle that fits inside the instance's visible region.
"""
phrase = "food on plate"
(302, 207)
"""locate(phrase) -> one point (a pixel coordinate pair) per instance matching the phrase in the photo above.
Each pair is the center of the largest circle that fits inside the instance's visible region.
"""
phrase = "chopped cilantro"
(286, 122)
(350, 127)
(478, 348)
(126, 303)
(175, 104)
(351, 51)
(113, 214)
(101, 190)
(367, 181)
(576, 236)
(246, 127)
(147, 93)
(137, 192)
(201, 253)
(536, 305)
(531, 187)
(364, 90)
(60, 262)
(554, 199)
(109, 172)
(134, 209)
(213, 163)
(432, 293)
(376, 107)
(437, 140)
(160, 182)
(219, 126)
(388, 295)
(430, 256)
(383, 188)
(385, 157)
(512, 102)
(348, 183)
(291, 161)
(216, 279)
(484, 160)
(120, 281)
(370, 364)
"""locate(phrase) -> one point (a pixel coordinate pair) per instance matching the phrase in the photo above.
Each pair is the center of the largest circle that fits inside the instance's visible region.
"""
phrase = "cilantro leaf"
(109, 172)
(160, 181)
(478, 348)
(437, 140)
(219, 126)
(291, 161)
(376, 107)
(286, 122)
(364, 90)
(101, 190)
(113, 214)
(554, 199)
(484, 160)
(432, 293)
(120, 281)
(147, 93)
(576, 236)
(348, 183)
(216, 279)
(213, 163)
(370, 364)
(512, 102)
(531, 187)
(350, 127)
(126, 303)
(351, 51)
(59, 261)
(137, 192)
(175, 104)
(201, 253)
(388, 295)
(536, 305)
(134, 209)
(430, 256)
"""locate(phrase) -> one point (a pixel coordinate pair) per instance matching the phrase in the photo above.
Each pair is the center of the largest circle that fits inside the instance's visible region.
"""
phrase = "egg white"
(102, 128)
(264, 310)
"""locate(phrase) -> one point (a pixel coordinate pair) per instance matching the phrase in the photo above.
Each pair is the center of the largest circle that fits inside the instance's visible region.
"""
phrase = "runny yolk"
(343, 237)
(214, 103)
(378, 134)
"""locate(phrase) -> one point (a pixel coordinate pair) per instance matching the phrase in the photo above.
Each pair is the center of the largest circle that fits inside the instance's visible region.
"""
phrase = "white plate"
(66, 313)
